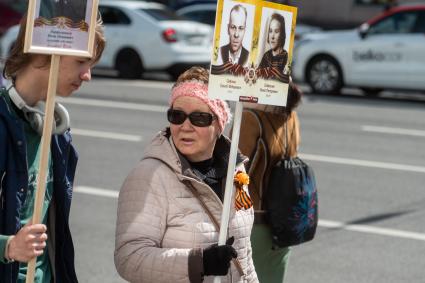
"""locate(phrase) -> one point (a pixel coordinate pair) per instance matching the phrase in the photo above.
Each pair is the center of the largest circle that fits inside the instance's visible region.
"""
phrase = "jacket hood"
(163, 149)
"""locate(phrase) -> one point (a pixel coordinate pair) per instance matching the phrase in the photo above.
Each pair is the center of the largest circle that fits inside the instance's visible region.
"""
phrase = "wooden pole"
(44, 154)
(227, 202)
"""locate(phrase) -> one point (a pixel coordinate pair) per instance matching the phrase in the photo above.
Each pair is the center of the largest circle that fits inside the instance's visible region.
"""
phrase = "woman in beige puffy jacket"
(170, 205)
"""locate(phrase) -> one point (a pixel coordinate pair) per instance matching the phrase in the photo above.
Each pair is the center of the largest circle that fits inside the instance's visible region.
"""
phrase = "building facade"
(341, 13)
(329, 14)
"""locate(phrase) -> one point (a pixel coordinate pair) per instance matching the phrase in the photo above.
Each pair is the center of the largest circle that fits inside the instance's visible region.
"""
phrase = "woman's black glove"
(216, 259)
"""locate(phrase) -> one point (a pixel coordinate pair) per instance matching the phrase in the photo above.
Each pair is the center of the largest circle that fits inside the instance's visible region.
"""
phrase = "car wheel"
(371, 92)
(324, 75)
(128, 64)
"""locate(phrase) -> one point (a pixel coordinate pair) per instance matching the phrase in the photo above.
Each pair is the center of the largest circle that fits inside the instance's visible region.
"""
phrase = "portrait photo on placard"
(236, 31)
(62, 27)
(274, 45)
(252, 52)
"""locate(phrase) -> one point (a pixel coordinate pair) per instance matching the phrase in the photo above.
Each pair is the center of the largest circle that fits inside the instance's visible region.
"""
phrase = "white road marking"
(96, 192)
(372, 230)
(105, 135)
(113, 104)
(322, 222)
(363, 163)
(395, 131)
(162, 109)
(136, 83)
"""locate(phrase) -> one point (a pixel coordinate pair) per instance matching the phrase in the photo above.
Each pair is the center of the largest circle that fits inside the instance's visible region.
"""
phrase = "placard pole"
(44, 154)
(227, 202)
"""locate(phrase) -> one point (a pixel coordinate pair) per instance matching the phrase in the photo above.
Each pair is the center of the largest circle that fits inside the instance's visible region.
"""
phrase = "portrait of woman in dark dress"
(273, 63)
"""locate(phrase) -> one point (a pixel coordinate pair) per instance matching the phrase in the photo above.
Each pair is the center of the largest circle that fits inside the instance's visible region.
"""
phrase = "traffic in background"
(367, 154)
(386, 52)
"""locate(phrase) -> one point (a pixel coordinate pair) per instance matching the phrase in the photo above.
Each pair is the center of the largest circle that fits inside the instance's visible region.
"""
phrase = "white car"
(145, 36)
(387, 52)
(200, 12)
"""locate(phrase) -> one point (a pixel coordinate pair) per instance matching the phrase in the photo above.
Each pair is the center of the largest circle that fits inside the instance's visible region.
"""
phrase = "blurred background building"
(328, 14)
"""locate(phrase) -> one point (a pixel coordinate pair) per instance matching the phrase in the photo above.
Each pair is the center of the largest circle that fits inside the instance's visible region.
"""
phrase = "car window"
(162, 14)
(209, 18)
(113, 16)
(193, 16)
(403, 22)
(206, 17)
(420, 23)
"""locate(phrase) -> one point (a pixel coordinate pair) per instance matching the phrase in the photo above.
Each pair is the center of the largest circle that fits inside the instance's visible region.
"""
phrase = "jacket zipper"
(1, 189)
(68, 149)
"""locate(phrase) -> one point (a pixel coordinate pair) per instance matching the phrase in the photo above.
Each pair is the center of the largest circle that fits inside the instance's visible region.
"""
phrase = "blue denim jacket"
(13, 186)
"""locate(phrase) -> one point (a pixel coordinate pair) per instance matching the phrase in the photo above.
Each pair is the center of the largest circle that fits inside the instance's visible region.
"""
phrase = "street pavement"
(368, 156)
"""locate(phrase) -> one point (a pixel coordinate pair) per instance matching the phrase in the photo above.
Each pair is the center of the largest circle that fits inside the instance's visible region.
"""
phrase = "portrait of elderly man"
(234, 51)
(74, 10)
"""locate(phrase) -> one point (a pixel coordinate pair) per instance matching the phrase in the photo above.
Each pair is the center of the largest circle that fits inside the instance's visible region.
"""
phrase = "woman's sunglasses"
(198, 119)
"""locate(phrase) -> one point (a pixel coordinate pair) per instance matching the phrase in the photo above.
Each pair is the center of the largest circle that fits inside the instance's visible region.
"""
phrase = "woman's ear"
(217, 131)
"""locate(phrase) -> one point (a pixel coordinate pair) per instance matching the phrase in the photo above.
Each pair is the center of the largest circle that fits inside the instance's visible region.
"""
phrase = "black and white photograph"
(75, 10)
(62, 27)
(273, 59)
(235, 37)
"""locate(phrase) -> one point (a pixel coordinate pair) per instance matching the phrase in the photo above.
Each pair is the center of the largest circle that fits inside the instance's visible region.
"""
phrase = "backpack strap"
(214, 221)
(291, 140)
(261, 145)
(284, 145)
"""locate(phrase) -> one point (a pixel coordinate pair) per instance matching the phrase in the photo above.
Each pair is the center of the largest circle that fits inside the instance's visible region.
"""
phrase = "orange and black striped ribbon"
(228, 68)
(272, 73)
(243, 200)
(82, 25)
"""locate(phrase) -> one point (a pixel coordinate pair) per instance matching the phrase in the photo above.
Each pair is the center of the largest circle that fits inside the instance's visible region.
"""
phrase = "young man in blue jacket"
(21, 123)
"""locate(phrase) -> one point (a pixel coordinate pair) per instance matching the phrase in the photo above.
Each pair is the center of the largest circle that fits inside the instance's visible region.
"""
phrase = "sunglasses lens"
(198, 119)
(176, 117)
(201, 119)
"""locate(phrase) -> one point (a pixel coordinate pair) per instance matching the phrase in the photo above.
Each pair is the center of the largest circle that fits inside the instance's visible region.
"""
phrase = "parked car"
(387, 52)
(199, 12)
(177, 4)
(204, 12)
(145, 36)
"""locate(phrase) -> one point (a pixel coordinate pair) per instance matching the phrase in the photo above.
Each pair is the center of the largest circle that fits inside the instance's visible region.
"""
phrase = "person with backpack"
(262, 139)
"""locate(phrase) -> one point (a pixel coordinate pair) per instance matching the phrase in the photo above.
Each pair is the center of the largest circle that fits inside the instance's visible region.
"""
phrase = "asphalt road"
(368, 156)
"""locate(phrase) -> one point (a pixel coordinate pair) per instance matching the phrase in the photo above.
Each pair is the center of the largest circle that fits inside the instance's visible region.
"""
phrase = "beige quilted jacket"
(161, 224)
